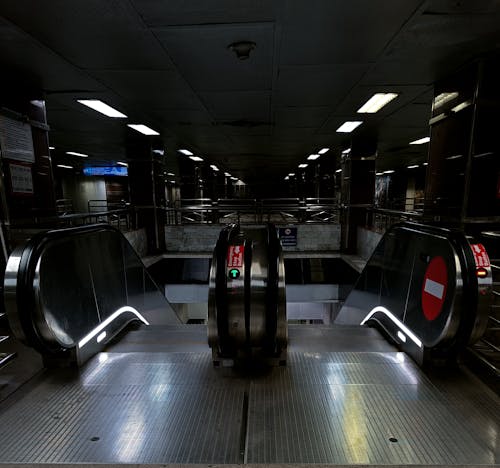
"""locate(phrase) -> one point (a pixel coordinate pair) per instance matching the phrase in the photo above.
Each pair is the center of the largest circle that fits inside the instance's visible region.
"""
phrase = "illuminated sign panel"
(105, 171)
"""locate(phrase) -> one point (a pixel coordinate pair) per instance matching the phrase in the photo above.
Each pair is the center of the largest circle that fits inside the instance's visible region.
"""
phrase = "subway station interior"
(250, 232)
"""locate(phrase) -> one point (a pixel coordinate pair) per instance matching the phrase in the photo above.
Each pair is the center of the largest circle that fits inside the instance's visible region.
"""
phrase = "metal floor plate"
(143, 402)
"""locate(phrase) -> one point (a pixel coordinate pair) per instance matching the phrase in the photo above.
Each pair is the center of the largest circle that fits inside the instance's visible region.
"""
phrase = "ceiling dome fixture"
(242, 49)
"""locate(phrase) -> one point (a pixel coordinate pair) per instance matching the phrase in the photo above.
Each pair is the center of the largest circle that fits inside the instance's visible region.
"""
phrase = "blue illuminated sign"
(105, 171)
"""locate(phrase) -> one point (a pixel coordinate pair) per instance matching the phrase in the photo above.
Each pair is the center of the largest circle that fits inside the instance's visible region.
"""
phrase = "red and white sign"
(480, 256)
(235, 255)
(434, 288)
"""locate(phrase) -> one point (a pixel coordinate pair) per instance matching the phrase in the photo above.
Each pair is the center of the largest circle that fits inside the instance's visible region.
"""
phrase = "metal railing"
(253, 211)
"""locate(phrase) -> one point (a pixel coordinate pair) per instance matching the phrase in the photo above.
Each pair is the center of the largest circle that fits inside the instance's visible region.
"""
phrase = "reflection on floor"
(345, 397)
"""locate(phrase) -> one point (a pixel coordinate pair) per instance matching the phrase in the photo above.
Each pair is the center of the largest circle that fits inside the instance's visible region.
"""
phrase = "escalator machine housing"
(247, 304)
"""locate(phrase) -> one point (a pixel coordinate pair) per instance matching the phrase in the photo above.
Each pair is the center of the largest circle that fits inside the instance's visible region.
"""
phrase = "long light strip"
(376, 102)
(74, 153)
(96, 331)
(185, 151)
(421, 141)
(102, 107)
(349, 126)
(196, 158)
(398, 322)
(64, 166)
(144, 129)
(121, 163)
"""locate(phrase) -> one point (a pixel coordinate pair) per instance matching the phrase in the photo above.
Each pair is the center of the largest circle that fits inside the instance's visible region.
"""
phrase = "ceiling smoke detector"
(242, 49)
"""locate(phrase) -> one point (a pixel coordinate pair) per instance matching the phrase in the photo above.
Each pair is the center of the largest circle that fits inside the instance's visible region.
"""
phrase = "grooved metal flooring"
(154, 397)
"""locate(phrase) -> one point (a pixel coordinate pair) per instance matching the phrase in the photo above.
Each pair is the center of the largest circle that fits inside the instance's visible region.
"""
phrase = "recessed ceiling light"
(185, 151)
(291, 174)
(159, 151)
(312, 157)
(234, 178)
(196, 158)
(349, 126)
(379, 173)
(338, 170)
(389, 171)
(413, 166)
(121, 163)
(323, 150)
(144, 129)
(376, 102)
(346, 151)
(74, 153)
(227, 174)
(287, 177)
(443, 98)
(214, 167)
(64, 166)
(302, 166)
(52, 148)
(170, 174)
(421, 141)
(425, 164)
(102, 107)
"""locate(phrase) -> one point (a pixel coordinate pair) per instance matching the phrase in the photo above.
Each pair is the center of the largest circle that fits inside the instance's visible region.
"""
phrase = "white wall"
(81, 189)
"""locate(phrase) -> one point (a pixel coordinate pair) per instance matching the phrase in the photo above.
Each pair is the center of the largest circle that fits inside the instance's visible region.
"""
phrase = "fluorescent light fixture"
(196, 158)
(456, 156)
(379, 173)
(349, 126)
(376, 102)
(64, 166)
(287, 177)
(443, 98)
(172, 181)
(461, 106)
(346, 151)
(302, 166)
(144, 129)
(170, 174)
(413, 167)
(102, 107)
(291, 174)
(52, 148)
(227, 174)
(390, 171)
(185, 151)
(395, 320)
(74, 153)
(121, 163)
(214, 167)
(338, 170)
(313, 157)
(159, 151)
(421, 141)
(97, 331)
(482, 155)
(323, 150)
(234, 178)
(425, 164)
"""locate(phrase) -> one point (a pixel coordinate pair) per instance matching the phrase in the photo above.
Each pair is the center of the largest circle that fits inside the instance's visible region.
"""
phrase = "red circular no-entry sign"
(434, 288)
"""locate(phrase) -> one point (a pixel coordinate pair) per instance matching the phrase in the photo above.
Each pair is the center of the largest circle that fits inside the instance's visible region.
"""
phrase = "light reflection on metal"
(396, 321)
(96, 331)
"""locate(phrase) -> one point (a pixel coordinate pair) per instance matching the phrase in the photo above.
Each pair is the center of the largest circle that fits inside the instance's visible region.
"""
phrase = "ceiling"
(167, 64)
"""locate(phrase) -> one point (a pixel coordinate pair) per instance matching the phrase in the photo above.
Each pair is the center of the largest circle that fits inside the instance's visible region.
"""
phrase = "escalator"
(389, 392)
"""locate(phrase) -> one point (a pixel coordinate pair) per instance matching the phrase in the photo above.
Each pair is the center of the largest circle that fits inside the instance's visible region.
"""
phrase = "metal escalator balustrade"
(247, 304)
(421, 288)
(69, 292)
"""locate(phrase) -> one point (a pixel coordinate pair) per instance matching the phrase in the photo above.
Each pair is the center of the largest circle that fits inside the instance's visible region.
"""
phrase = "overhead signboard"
(105, 171)
(288, 236)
